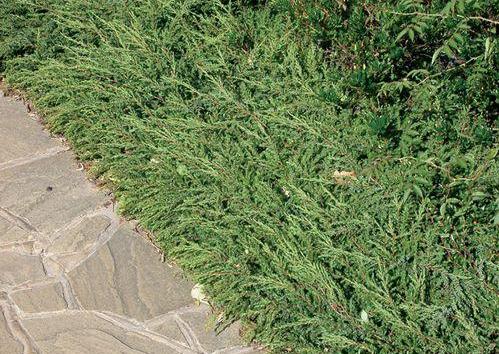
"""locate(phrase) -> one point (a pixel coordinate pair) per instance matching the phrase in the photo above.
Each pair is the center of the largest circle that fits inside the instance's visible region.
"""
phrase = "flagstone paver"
(41, 298)
(74, 277)
(18, 268)
(8, 344)
(126, 276)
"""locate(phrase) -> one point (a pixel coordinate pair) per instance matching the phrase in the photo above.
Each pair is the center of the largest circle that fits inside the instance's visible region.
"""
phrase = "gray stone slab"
(49, 192)
(195, 326)
(42, 298)
(86, 333)
(18, 268)
(10, 232)
(83, 235)
(203, 325)
(127, 277)
(8, 344)
(169, 327)
(20, 135)
(72, 245)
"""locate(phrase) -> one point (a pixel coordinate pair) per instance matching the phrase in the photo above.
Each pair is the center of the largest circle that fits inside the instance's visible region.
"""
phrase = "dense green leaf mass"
(327, 169)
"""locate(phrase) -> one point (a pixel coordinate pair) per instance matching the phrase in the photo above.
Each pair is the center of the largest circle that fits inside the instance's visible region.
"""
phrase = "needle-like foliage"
(326, 169)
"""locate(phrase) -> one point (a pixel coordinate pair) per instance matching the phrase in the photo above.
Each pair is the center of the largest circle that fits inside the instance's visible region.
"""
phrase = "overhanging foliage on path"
(327, 169)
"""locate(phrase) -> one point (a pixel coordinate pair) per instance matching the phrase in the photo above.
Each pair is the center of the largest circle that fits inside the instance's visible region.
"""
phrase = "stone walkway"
(74, 278)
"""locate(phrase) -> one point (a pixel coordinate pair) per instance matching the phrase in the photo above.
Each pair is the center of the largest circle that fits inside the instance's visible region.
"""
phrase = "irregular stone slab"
(8, 344)
(191, 326)
(22, 247)
(48, 297)
(20, 135)
(198, 320)
(18, 268)
(127, 277)
(73, 245)
(85, 333)
(49, 193)
(11, 233)
(80, 237)
(169, 328)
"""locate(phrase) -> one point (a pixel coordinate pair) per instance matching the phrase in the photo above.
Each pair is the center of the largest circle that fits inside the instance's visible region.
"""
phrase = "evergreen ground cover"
(326, 169)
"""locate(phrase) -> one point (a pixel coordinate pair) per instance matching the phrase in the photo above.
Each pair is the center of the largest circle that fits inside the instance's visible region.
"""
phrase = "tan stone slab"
(194, 326)
(11, 233)
(48, 193)
(127, 277)
(42, 298)
(8, 344)
(169, 327)
(22, 247)
(201, 322)
(81, 332)
(73, 245)
(18, 268)
(83, 235)
(20, 135)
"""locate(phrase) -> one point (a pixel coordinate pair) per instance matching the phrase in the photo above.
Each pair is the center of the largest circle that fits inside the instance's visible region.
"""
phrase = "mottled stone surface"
(8, 344)
(201, 322)
(41, 298)
(48, 192)
(10, 232)
(126, 276)
(74, 244)
(169, 328)
(20, 134)
(82, 332)
(195, 325)
(74, 277)
(19, 268)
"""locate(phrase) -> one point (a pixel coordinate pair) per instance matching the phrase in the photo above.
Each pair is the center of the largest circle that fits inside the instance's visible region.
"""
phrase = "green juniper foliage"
(327, 169)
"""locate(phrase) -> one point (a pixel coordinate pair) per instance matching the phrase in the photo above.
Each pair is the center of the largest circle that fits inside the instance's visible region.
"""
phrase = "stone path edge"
(171, 329)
